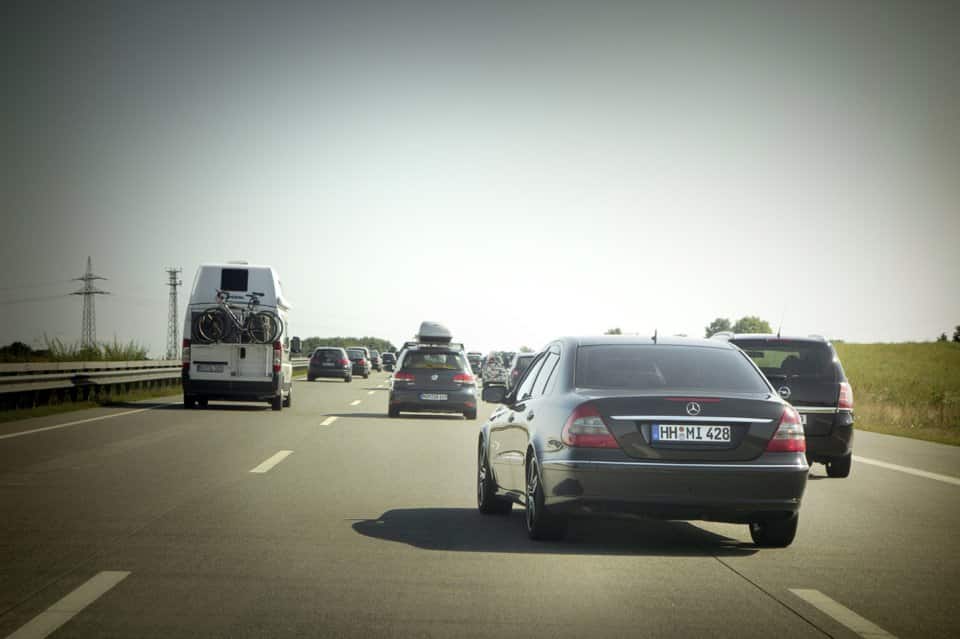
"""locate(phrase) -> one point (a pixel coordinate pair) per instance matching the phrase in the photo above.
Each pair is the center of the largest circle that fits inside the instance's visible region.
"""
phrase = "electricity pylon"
(88, 332)
(173, 333)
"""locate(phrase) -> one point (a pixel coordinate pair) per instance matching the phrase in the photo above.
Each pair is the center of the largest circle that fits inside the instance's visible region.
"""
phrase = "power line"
(45, 298)
(21, 287)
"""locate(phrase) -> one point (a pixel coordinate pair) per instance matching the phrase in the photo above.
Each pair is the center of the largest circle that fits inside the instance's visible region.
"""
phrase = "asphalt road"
(151, 524)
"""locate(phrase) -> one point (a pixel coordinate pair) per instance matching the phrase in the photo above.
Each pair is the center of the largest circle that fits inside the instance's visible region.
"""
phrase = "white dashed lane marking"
(48, 621)
(355, 402)
(328, 420)
(271, 462)
(947, 479)
(850, 619)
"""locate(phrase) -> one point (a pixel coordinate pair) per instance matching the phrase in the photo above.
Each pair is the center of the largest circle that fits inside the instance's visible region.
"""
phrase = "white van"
(234, 365)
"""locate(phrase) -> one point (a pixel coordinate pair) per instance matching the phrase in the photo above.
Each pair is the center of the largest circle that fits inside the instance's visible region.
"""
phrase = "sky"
(517, 170)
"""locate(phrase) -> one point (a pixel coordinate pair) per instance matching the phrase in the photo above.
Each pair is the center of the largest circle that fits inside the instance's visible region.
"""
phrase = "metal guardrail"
(53, 376)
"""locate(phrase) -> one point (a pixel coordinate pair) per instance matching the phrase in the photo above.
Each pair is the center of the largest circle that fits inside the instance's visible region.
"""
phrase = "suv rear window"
(328, 354)
(428, 359)
(674, 368)
(782, 359)
(354, 353)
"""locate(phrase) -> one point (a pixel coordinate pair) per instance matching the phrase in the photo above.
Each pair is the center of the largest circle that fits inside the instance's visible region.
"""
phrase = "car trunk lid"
(702, 428)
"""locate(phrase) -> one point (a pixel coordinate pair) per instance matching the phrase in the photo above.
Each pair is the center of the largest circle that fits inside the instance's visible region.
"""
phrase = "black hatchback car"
(360, 358)
(807, 373)
(433, 378)
(329, 362)
(669, 428)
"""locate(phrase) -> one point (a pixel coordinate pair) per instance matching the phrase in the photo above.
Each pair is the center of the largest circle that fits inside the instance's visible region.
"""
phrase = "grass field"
(910, 389)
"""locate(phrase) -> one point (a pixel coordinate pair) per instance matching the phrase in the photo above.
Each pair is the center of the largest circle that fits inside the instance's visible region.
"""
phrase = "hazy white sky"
(518, 170)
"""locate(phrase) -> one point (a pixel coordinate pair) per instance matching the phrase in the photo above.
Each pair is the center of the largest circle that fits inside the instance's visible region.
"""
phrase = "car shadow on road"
(466, 530)
(322, 380)
(176, 404)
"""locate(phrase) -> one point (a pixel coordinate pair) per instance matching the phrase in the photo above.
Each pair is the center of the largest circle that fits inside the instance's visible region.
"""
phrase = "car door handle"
(530, 415)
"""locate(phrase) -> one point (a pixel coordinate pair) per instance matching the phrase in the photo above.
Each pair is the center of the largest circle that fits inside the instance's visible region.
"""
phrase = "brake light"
(846, 397)
(464, 378)
(585, 428)
(789, 437)
(362, 361)
(277, 356)
(403, 377)
(344, 362)
(185, 355)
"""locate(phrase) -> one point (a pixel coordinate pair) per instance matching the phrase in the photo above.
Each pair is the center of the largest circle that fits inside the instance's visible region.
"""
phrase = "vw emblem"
(693, 408)
(434, 377)
(784, 392)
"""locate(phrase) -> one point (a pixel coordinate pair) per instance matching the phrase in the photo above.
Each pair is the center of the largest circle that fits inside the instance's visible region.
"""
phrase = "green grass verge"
(911, 389)
(69, 407)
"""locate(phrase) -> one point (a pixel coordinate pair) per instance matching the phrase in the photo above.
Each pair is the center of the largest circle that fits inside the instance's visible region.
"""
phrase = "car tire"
(289, 400)
(840, 467)
(541, 524)
(277, 403)
(348, 379)
(487, 501)
(189, 401)
(366, 375)
(470, 414)
(393, 411)
(310, 378)
(203, 402)
(778, 533)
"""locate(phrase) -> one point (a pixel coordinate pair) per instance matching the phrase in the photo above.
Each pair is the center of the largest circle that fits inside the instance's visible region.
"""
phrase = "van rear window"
(233, 279)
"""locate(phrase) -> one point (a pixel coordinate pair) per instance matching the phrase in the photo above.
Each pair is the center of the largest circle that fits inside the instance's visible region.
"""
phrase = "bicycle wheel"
(212, 325)
(263, 327)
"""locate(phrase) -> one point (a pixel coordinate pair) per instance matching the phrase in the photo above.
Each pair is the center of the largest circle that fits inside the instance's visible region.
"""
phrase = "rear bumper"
(729, 492)
(232, 390)
(328, 372)
(456, 402)
(838, 443)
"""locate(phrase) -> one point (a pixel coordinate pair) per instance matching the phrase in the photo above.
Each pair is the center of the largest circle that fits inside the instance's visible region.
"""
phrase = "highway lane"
(368, 527)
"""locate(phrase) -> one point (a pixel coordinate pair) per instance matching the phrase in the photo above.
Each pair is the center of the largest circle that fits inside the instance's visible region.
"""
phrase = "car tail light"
(846, 397)
(277, 356)
(585, 428)
(789, 437)
(464, 378)
(362, 361)
(403, 377)
(344, 362)
(185, 355)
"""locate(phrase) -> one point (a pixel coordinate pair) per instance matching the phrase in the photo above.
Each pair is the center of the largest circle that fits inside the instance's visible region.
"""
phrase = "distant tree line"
(58, 350)
(748, 324)
(956, 336)
(375, 343)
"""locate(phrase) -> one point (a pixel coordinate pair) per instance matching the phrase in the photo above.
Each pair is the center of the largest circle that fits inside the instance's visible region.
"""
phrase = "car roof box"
(433, 333)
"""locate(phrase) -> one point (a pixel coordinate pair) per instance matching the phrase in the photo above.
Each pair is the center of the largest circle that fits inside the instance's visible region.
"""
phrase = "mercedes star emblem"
(693, 408)
(784, 392)
(434, 377)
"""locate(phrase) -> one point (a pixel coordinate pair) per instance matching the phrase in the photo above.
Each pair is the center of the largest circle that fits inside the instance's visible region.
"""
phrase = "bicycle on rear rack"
(260, 327)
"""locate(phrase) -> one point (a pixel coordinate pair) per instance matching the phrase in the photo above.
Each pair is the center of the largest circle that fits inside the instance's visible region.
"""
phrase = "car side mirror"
(494, 394)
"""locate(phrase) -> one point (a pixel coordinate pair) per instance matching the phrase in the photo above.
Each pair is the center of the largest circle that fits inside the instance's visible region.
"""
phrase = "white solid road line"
(328, 420)
(947, 479)
(80, 421)
(67, 608)
(355, 402)
(270, 463)
(847, 617)
(371, 392)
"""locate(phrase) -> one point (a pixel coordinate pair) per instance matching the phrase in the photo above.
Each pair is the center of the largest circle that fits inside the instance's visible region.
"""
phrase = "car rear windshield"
(388, 357)
(674, 368)
(328, 354)
(355, 353)
(782, 359)
(444, 361)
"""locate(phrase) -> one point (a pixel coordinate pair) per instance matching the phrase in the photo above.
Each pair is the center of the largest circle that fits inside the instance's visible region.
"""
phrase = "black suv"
(433, 378)
(807, 373)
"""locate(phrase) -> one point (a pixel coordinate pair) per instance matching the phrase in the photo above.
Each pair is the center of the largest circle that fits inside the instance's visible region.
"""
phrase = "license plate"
(434, 396)
(803, 418)
(327, 364)
(690, 433)
(209, 368)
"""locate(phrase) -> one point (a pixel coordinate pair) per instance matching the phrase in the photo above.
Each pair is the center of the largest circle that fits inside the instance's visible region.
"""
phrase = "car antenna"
(780, 326)
(654, 336)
